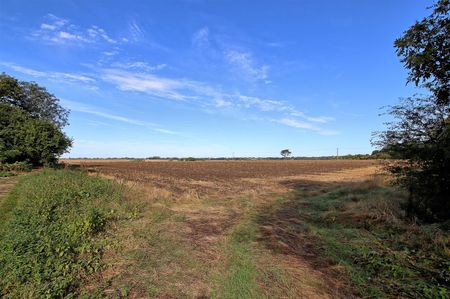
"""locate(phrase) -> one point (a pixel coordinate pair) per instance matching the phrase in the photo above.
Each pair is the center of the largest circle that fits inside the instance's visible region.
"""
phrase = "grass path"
(6, 206)
(6, 185)
(200, 247)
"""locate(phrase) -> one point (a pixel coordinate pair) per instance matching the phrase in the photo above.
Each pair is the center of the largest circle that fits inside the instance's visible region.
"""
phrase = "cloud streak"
(243, 63)
(299, 124)
(83, 108)
(54, 76)
(240, 62)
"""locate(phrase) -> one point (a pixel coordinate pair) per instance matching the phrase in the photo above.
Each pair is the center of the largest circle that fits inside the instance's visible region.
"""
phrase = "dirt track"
(6, 185)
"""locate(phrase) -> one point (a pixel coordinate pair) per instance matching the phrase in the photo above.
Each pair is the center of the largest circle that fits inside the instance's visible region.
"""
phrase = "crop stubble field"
(198, 237)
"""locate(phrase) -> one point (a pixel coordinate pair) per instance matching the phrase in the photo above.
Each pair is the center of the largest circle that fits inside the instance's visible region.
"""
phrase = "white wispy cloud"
(136, 32)
(201, 37)
(57, 30)
(165, 131)
(204, 95)
(320, 119)
(263, 104)
(240, 60)
(110, 53)
(244, 63)
(80, 107)
(139, 65)
(96, 32)
(295, 123)
(54, 76)
(221, 103)
(299, 124)
(199, 94)
(148, 83)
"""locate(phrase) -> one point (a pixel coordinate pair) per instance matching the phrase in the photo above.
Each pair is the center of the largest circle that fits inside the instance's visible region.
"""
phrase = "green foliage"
(361, 229)
(285, 153)
(425, 51)
(32, 98)
(23, 138)
(51, 232)
(420, 132)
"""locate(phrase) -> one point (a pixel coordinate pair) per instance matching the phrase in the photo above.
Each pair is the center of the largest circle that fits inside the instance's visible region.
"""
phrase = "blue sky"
(212, 78)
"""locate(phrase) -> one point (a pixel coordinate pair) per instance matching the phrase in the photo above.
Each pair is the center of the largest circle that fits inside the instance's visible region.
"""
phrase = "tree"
(24, 138)
(285, 153)
(34, 99)
(425, 51)
(420, 131)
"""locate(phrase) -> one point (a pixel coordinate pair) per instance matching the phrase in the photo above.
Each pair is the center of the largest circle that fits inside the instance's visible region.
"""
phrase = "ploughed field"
(225, 177)
(219, 170)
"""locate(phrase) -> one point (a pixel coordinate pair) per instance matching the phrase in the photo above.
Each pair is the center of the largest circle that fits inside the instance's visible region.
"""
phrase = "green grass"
(53, 232)
(240, 280)
(384, 256)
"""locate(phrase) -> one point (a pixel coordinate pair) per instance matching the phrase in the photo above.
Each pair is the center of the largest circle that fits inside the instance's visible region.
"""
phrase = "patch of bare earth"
(175, 248)
(6, 185)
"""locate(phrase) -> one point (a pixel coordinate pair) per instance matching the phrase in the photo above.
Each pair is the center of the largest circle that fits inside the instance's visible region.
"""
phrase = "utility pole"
(337, 153)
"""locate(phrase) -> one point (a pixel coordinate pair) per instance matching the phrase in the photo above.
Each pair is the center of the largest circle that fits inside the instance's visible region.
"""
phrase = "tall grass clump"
(52, 232)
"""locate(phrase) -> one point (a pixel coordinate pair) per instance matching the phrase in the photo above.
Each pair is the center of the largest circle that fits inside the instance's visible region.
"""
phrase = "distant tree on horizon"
(285, 153)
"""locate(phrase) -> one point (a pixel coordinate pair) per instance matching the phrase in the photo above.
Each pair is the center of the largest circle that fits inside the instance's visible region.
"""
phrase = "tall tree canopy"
(34, 99)
(420, 132)
(425, 51)
(31, 122)
(24, 138)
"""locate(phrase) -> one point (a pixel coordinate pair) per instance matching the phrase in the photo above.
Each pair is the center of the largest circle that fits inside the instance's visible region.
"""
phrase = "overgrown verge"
(53, 232)
(359, 229)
